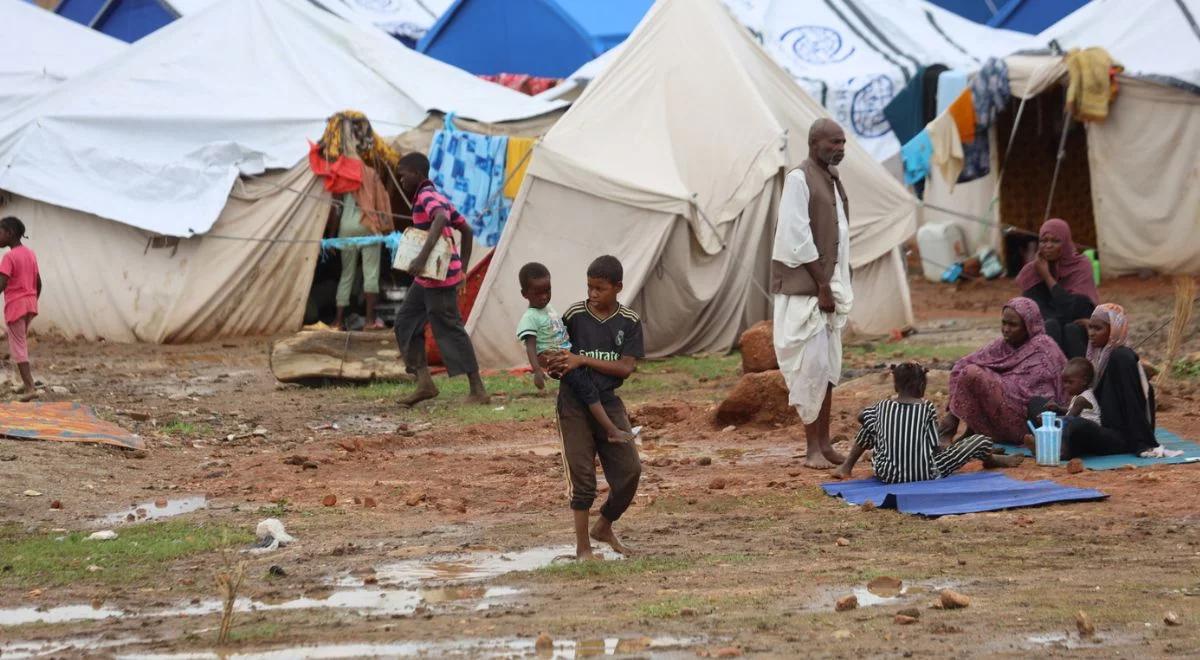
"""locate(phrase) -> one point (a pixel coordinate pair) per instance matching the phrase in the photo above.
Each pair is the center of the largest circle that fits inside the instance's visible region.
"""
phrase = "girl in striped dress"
(902, 434)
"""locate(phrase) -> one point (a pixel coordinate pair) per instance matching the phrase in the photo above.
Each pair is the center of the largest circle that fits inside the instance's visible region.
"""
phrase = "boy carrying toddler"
(543, 332)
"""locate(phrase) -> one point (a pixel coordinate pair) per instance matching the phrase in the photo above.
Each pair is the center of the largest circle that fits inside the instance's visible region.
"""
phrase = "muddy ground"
(447, 521)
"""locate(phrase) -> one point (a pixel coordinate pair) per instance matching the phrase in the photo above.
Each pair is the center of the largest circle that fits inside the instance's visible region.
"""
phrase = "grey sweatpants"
(582, 440)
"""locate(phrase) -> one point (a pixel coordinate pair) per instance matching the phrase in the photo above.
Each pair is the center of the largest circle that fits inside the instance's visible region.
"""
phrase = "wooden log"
(345, 356)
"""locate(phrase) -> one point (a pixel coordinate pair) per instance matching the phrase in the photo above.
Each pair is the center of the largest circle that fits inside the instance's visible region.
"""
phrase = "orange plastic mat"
(62, 422)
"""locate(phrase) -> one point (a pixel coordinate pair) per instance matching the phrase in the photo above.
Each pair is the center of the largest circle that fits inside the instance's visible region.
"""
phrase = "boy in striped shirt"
(902, 435)
(435, 301)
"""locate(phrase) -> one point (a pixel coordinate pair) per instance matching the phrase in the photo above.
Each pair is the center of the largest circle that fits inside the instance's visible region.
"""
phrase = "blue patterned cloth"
(991, 91)
(390, 241)
(977, 156)
(469, 169)
(917, 154)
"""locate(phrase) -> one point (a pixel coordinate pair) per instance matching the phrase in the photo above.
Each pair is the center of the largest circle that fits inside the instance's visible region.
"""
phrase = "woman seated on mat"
(1061, 282)
(901, 433)
(1122, 391)
(991, 388)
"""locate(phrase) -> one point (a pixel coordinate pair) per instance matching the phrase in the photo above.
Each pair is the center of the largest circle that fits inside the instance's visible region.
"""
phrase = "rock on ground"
(758, 348)
(758, 397)
(952, 600)
(660, 414)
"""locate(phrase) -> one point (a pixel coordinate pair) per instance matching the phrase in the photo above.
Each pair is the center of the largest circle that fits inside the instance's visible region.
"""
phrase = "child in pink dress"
(22, 286)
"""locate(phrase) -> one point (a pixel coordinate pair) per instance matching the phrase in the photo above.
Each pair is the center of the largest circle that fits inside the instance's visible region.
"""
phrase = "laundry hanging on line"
(516, 163)
(524, 83)
(469, 169)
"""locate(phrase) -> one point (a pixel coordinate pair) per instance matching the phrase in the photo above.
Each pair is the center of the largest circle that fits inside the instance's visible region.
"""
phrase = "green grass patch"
(611, 569)
(275, 510)
(180, 428)
(1186, 369)
(140, 552)
(522, 401)
(706, 367)
(736, 559)
(668, 608)
(920, 352)
(255, 632)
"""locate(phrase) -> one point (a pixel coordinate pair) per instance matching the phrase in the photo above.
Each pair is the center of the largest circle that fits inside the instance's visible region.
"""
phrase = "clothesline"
(363, 240)
(991, 223)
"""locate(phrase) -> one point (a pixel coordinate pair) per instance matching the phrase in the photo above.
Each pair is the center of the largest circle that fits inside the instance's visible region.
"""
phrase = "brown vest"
(822, 214)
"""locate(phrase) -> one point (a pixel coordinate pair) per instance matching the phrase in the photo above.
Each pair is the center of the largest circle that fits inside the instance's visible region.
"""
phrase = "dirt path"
(447, 521)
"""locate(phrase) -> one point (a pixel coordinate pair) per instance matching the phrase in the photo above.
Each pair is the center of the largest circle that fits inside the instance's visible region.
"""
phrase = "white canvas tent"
(1145, 182)
(673, 160)
(853, 56)
(157, 136)
(40, 49)
(153, 143)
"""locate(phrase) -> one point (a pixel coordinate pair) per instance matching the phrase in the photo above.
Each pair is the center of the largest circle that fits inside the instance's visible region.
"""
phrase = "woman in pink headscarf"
(1124, 393)
(991, 388)
(1061, 282)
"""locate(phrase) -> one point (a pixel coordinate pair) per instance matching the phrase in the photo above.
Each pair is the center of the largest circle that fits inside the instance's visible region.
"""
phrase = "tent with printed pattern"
(673, 160)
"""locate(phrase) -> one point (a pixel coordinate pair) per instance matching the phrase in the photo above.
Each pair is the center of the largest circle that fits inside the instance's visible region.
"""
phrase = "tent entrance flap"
(1029, 176)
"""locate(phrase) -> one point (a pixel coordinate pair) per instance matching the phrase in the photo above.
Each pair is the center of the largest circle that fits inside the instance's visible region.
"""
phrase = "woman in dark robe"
(1060, 281)
(1123, 392)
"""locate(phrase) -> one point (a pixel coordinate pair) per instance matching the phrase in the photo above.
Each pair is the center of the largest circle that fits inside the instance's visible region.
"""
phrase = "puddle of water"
(58, 647)
(365, 601)
(868, 599)
(876, 593)
(152, 511)
(657, 647)
(468, 567)
(1063, 640)
(22, 615)
(886, 587)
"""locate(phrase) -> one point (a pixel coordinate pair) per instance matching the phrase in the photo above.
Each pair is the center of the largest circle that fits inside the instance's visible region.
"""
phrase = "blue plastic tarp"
(1028, 16)
(960, 493)
(547, 38)
(127, 20)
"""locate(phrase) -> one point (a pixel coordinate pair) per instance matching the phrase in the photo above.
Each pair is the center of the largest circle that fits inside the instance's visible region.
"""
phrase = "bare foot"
(585, 554)
(995, 461)
(841, 474)
(421, 394)
(479, 399)
(611, 539)
(28, 396)
(1029, 443)
(833, 456)
(818, 462)
(619, 436)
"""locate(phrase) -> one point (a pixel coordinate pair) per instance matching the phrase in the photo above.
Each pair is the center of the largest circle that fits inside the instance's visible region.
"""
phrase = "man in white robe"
(808, 328)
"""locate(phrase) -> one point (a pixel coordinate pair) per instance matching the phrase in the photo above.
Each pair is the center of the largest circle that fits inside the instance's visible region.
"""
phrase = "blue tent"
(127, 20)
(1028, 16)
(549, 38)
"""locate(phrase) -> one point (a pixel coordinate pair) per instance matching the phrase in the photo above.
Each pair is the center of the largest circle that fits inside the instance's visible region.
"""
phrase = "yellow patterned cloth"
(379, 150)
